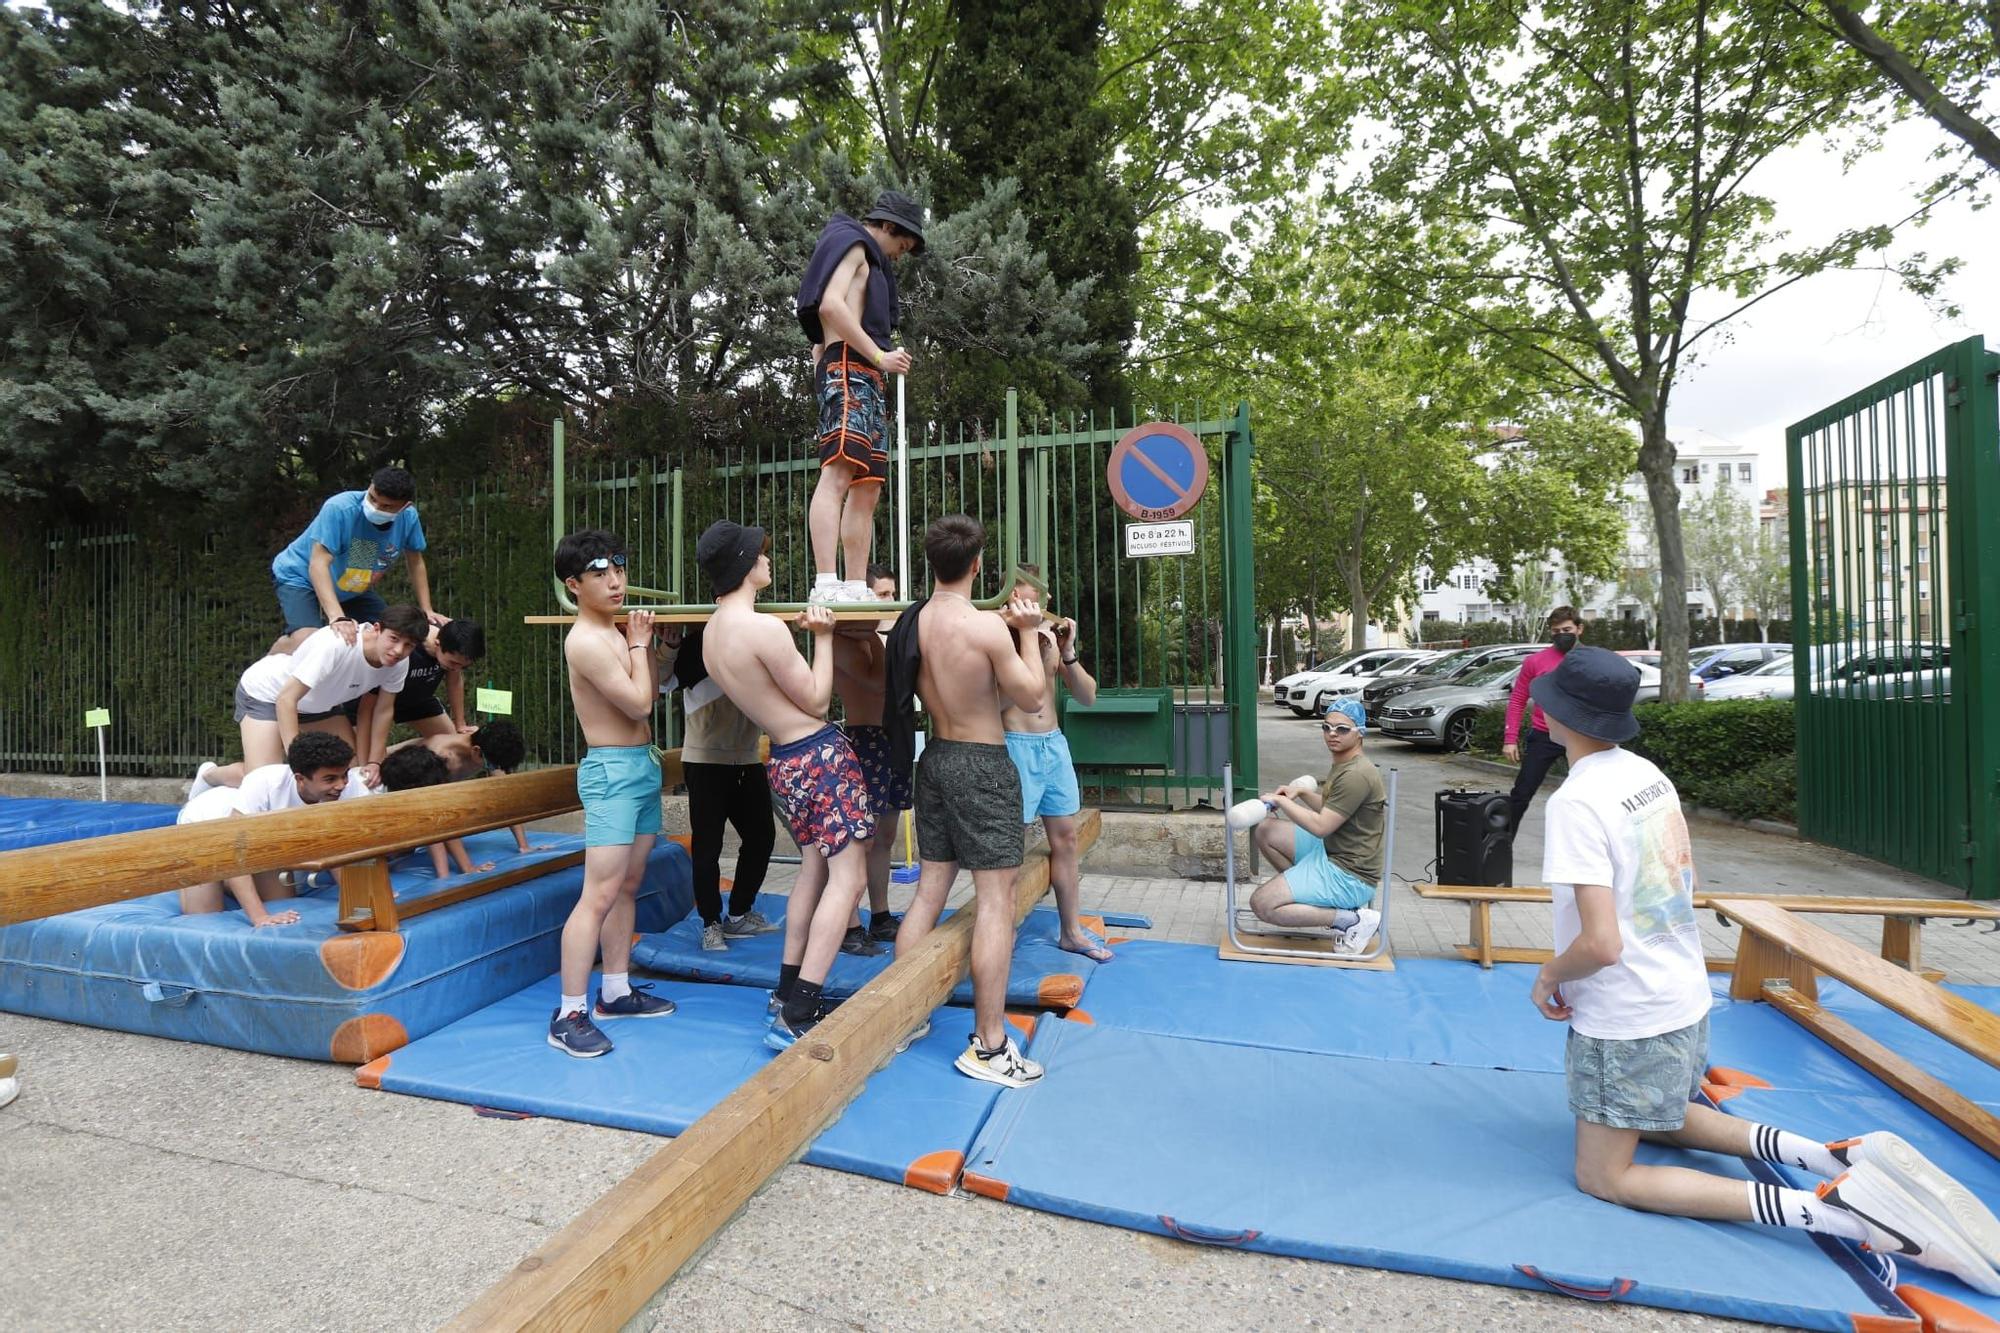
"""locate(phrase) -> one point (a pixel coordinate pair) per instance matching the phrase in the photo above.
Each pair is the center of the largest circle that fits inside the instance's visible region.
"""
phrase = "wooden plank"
(1760, 959)
(1902, 942)
(1967, 1117)
(600, 1269)
(365, 918)
(1482, 933)
(63, 877)
(1821, 904)
(367, 900)
(1957, 1020)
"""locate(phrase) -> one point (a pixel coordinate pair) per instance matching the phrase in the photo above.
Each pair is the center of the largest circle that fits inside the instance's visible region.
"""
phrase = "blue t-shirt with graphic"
(362, 552)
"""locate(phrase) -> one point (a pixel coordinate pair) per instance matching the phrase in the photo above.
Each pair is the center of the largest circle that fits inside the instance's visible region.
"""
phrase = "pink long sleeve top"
(1534, 665)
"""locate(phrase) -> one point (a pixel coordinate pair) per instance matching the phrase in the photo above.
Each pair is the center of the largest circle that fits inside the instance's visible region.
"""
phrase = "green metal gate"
(1169, 640)
(1896, 619)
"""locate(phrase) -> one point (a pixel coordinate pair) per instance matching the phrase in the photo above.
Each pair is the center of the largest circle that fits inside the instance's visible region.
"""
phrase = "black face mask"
(1564, 642)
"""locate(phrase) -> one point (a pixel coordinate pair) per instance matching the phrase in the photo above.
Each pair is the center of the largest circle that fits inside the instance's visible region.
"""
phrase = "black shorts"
(410, 708)
(852, 429)
(969, 806)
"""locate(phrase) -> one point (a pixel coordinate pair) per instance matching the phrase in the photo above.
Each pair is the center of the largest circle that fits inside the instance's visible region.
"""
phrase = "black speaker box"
(1473, 844)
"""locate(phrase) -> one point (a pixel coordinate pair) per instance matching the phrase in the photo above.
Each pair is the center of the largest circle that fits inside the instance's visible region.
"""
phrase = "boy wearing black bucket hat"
(1629, 978)
(848, 306)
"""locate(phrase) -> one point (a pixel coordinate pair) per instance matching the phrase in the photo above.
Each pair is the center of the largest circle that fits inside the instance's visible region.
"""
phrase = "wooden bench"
(1779, 960)
(1902, 918)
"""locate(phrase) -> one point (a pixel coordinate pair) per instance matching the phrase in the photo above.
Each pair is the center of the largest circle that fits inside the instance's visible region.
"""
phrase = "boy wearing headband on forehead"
(1329, 854)
(614, 678)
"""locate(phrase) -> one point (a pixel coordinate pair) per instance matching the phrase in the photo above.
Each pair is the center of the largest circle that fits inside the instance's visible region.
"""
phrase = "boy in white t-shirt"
(1629, 978)
(315, 770)
(282, 694)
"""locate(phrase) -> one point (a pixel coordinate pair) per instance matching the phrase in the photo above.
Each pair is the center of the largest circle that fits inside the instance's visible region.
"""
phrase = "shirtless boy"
(613, 680)
(968, 791)
(1048, 778)
(812, 769)
(860, 678)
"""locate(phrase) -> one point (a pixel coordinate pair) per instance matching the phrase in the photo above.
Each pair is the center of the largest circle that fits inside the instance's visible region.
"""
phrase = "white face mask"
(376, 516)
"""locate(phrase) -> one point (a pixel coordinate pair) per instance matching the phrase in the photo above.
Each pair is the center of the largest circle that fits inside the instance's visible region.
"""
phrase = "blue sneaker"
(574, 1034)
(639, 1002)
(781, 1034)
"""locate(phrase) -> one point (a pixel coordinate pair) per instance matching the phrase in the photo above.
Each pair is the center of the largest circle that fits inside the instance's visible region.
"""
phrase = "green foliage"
(1940, 57)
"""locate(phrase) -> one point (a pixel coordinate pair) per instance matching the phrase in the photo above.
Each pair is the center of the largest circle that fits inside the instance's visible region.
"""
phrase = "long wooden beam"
(604, 1266)
(64, 877)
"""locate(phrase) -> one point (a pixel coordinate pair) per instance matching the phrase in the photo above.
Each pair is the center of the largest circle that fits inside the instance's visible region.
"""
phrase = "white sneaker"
(1901, 1226)
(712, 937)
(825, 593)
(924, 1030)
(1355, 938)
(858, 590)
(1929, 1184)
(752, 922)
(10, 1084)
(201, 783)
(1006, 1066)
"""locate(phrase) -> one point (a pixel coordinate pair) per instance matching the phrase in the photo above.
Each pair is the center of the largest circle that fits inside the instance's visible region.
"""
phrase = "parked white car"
(1281, 692)
(1310, 693)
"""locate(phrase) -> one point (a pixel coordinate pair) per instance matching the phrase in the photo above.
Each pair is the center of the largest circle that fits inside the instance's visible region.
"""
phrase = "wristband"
(341, 620)
(1069, 661)
(875, 359)
(630, 646)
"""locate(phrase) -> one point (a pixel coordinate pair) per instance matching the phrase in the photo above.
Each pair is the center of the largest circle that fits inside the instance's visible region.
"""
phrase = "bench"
(1902, 918)
(1779, 961)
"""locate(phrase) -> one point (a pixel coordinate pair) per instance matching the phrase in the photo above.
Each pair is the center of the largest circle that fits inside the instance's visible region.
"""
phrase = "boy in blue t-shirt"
(1629, 979)
(327, 575)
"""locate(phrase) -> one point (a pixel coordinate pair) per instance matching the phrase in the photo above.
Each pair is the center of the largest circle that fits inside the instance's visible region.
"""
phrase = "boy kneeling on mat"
(1328, 848)
(1630, 980)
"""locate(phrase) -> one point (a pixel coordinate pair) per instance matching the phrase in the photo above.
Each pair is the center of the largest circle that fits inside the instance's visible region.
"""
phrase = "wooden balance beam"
(1779, 960)
(600, 1269)
(68, 876)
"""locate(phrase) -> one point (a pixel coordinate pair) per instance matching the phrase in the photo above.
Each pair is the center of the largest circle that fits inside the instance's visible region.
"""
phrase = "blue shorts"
(1048, 778)
(1317, 880)
(301, 607)
(620, 789)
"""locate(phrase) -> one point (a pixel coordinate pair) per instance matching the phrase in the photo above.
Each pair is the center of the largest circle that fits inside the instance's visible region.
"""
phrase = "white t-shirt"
(272, 787)
(1617, 821)
(215, 803)
(334, 672)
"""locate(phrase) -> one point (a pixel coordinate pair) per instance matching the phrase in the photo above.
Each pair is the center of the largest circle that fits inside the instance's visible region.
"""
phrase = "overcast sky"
(1835, 333)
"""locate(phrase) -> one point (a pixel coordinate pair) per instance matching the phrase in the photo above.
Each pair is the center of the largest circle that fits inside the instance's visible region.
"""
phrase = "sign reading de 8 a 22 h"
(1157, 471)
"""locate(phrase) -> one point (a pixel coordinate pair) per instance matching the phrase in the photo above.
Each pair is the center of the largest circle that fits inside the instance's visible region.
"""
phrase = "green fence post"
(1973, 409)
(1239, 683)
(1010, 525)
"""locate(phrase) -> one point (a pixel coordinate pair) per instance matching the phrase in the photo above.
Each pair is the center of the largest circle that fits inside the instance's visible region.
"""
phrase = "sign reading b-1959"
(1157, 471)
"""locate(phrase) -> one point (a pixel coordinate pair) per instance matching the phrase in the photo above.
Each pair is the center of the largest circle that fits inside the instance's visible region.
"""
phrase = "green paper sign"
(97, 717)
(494, 701)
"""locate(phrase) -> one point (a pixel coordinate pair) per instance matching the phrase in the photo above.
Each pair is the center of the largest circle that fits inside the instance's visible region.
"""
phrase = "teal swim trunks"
(619, 786)
(1318, 880)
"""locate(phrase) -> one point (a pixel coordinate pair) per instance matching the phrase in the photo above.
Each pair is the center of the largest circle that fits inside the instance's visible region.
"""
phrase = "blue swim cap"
(1351, 709)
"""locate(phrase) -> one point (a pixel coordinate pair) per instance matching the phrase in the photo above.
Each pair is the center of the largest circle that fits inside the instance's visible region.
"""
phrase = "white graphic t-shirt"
(335, 672)
(1617, 821)
(272, 787)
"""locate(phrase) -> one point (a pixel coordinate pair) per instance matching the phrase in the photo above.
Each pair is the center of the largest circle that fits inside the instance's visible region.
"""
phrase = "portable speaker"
(1473, 845)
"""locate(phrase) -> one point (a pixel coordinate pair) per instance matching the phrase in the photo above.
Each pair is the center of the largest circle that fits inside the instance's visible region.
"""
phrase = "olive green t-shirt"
(1355, 789)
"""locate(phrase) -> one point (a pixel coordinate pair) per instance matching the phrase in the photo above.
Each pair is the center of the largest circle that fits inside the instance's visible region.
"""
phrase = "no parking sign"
(1157, 471)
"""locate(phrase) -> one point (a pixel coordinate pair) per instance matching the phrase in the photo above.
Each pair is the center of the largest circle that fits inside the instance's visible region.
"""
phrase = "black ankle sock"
(802, 1003)
(883, 917)
(788, 973)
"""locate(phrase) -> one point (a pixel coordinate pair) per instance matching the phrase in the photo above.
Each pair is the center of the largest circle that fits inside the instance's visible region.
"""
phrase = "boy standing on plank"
(613, 680)
(970, 665)
(1629, 978)
(314, 770)
(812, 770)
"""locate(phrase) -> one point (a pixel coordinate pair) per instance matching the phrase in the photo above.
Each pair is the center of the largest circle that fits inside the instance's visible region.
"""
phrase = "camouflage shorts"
(1645, 1083)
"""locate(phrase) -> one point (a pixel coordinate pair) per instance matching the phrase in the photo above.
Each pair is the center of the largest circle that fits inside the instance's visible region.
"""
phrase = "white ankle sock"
(1789, 1149)
(570, 1004)
(617, 985)
(1802, 1210)
(825, 580)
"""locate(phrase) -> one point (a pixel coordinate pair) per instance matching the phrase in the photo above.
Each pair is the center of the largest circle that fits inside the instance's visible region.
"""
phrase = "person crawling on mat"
(972, 664)
(860, 679)
(282, 694)
(1049, 791)
(812, 769)
(1328, 847)
(613, 680)
(407, 769)
(1629, 978)
(315, 770)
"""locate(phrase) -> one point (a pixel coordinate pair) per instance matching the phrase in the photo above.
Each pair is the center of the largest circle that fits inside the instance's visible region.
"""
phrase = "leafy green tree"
(1941, 56)
(1609, 151)
(1552, 489)
(1721, 534)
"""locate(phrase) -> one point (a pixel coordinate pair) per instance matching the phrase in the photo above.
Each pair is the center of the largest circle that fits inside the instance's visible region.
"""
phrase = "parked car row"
(1307, 693)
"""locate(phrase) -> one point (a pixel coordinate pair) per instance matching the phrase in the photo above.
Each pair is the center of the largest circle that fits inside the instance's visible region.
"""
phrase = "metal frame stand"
(1377, 950)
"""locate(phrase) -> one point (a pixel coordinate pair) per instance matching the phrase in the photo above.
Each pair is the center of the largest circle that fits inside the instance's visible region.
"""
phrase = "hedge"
(1736, 756)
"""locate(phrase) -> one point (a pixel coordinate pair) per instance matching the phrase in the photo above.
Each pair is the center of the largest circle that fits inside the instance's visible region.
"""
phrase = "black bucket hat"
(727, 552)
(1591, 692)
(897, 207)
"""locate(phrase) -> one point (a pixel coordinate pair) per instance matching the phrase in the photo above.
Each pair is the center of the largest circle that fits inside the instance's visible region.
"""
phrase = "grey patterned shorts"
(969, 806)
(1645, 1083)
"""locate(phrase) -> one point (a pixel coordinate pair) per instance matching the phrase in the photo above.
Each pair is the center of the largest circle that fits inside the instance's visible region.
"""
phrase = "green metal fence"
(156, 626)
(1896, 619)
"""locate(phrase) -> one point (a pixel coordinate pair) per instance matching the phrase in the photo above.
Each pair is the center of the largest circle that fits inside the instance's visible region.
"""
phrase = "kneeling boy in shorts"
(1629, 979)
(812, 769)
(613, 681)
(1330, 851)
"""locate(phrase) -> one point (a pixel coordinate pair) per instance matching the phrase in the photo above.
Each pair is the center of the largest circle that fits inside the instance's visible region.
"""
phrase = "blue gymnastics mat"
(1454, 1172)
(1042, 975)
(911, 1124)
(310, 989)
(36, 822)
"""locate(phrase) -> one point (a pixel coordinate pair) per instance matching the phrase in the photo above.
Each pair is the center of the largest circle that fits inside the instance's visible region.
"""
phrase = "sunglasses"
(1329, 729)
(605, 562)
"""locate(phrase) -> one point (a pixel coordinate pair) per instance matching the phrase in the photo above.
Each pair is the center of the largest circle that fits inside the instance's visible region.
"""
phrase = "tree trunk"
(1357, 608)
(1656, 466)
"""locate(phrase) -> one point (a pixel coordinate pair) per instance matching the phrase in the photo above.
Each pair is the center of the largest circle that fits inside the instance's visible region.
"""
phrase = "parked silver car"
(1445, 715)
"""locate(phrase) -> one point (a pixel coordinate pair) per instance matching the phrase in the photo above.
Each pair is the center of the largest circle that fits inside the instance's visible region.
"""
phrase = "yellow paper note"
(97, 717)
(493, 701)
